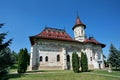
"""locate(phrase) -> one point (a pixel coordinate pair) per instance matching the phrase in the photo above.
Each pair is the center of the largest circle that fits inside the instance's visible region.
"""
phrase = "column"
(64, 59)
(103, 64)
(31, 58)
(34, 58)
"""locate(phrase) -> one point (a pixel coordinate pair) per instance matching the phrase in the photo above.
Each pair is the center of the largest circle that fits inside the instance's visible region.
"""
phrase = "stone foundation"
(50, 68)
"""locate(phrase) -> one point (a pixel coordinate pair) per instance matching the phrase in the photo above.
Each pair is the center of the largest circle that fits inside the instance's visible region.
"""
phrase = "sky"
(24, 18)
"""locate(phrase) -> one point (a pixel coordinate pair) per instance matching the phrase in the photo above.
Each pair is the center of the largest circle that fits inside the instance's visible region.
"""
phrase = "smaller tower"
(79, 30)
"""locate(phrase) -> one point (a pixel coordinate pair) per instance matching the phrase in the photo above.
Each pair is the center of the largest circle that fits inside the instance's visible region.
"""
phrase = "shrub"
(22, 61)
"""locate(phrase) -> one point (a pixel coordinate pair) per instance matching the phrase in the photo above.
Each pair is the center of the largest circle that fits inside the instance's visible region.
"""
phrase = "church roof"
(93, 40)
(78, 23)
(60, 34)
(53, 33)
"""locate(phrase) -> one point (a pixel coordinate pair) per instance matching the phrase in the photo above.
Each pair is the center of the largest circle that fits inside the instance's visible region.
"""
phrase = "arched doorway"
(68, 61)
(99, 66)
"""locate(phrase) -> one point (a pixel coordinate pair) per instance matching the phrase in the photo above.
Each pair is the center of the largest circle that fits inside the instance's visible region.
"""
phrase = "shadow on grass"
(90, 70)
(36, 71)
(87, 71)
(9, 76)
(116, 69)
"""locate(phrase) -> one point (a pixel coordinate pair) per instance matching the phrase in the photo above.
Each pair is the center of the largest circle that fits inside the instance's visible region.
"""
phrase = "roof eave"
(79, 25)
(102, 45)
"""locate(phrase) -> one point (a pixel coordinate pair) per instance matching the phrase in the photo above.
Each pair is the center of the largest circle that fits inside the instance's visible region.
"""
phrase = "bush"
(22, 61)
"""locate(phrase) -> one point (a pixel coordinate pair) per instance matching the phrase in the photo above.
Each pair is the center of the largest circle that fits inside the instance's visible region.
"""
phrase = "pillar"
(64, 58)
(103, 64)
(31, 58)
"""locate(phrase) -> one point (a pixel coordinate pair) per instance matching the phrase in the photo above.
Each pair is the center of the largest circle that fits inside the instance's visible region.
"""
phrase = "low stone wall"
(50, 68)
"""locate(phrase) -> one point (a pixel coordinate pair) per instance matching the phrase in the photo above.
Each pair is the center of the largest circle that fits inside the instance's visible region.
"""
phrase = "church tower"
(79, 30)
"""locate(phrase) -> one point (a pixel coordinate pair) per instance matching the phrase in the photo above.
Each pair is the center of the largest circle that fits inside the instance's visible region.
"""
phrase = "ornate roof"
(59, 34)
(93, 40)
(78, 23)
(52, 33)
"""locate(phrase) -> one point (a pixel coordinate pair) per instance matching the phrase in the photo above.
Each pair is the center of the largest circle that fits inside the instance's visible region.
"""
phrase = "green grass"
(114, 73)
(13, 68)
(62, 75)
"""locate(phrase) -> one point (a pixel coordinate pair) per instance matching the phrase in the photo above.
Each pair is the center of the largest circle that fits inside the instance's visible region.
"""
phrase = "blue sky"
(24, 18)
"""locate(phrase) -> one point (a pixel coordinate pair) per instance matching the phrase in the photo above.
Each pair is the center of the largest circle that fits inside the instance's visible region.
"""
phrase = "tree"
(119, 59)
(114, 56)
(28, 58)
(84, 62)
(15, 56)
(5, 52)
(75, 62)
(22, 61)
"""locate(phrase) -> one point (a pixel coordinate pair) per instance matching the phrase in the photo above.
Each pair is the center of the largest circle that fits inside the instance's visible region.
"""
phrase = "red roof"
(78, 22)
(93, 40)
(54, 33)
(61, 35)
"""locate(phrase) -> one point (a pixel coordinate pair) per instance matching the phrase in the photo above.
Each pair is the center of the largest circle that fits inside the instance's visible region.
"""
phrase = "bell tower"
(79, 30)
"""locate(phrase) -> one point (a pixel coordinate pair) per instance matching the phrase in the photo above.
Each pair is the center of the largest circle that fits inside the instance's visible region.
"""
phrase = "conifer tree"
(84, 62)
(114, 56)
(22, 61)
(5, 52)
(75, 62)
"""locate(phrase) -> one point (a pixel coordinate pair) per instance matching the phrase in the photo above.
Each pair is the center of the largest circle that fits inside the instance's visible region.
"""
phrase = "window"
(58, 57)
(46, 58)
(49, 31)
(82, 32)
(49, 34)
(90, 58)
(54, 32)
(68, 58)
(41, 58)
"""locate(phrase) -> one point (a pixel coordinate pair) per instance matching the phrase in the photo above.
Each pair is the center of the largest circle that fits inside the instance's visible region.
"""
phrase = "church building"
(52, 48)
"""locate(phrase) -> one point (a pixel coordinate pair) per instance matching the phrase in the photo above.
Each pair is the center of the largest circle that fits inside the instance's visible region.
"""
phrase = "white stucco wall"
(53, 48)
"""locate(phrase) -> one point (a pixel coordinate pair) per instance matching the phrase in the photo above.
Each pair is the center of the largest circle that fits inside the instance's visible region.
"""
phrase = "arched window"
(46, 58)
(58, 57)
(41, 58)
(68, 58)
(90, 58)
(82, 32)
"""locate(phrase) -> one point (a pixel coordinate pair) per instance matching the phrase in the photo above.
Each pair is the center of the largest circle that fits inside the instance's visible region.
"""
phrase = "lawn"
(114, 73)
(63, 75)
(13, 68)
